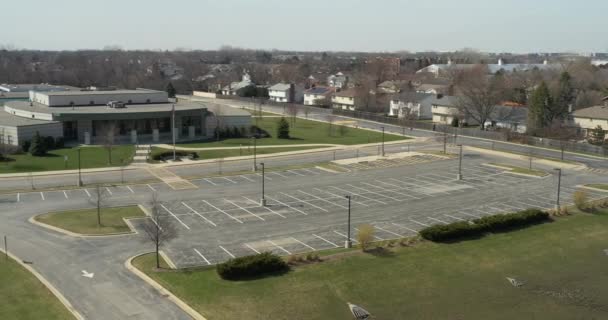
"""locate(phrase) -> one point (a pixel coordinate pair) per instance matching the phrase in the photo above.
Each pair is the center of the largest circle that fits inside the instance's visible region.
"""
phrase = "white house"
(412, 105)
(318, 96)
(338, 81)
(590, 118)
(235, 88)
(285, 92)
(509, 116)
(345, 100)
(444, 69)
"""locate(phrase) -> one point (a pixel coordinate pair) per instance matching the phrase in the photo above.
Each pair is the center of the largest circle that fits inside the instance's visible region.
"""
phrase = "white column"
(133, 136)
(87, 137)
(191, 132)
(155, 135)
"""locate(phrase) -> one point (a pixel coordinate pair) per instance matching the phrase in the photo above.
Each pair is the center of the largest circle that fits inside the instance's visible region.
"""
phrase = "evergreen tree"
(564, 98)
(283, 129)
(598, 135)
(37, 147)
(539, 106)
(171, 90)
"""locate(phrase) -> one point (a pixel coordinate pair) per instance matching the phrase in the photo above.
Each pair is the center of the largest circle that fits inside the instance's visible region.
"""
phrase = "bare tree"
(480, 94)
(292, 111)
(330, 120)
(107, 135)
(159, 228)
(99, 199)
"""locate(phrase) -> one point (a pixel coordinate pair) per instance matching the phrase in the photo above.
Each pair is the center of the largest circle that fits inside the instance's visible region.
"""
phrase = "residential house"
(412, 105)
(445, 110)
(392, 86)
(346, 100)
(444, 69)
(285, 92)
(509, 115)
(433, 88)
(237, 88)
(588, 119)
(318, 96)
(338, 81)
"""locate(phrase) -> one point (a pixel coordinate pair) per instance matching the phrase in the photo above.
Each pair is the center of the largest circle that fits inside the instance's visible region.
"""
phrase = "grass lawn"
(598, 186)
(216, 154)
(90, 157)
(562, 264)
(23, 297)
(85, 221)
(522, 170)
(303, 132)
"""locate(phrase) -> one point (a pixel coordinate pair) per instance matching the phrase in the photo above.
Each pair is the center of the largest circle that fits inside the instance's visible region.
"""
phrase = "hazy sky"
(360, 25)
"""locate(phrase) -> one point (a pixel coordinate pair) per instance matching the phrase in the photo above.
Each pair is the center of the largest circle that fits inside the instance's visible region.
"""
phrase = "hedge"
(481, 226)
(252, 266)
(169, 154)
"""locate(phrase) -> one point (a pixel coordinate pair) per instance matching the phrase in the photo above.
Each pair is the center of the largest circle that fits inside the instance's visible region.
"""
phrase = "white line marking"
(200, 215)
(388, 231)
(404, 227)
(252, 248)
(358, 195)
(340, 197)
(453, 217)
(389, 190)
(440, 221)
(315, 173)
(130, 189)
(247, 178)
(87, 191)
(244, 209)
(373, 192)
(202, 256)
(229, 180)
(333, 244)
(302, 243)
(18, 197)
(266, 207)
(468, 214)
(278, 246)
(213, 183)
(222, 211)
(228, 252)
(345, 236)
(332, 203)
(285, 204)
(265, 176)
(65, 194)
(108, 190)
(295, 172)
(304, 201)
(42, 195)
(277, 173)
(420, 223)
(174, 216)
(151, 188)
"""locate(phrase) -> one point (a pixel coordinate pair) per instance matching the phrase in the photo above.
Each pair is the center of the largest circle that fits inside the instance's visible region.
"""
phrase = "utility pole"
(445, 142)
(263, 201)
(559, 185)
(459, 177)
(255, 166)
(348, 243)
(173, 130)
(383, 141)
(79, 170)
(5, 248)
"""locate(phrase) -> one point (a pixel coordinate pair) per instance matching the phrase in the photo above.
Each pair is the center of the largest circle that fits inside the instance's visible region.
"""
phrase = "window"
(443, 118)
(130, 101)
(91, 102)
(147, 100)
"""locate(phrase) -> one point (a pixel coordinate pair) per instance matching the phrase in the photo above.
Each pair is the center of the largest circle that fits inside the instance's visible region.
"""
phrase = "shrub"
(37, 147)
(283, 129)
(252, 266)
(26, 145)
(365, 236)
(581, 199)
(49, 142)
(169, 154)
(450, 231)
(59, 142)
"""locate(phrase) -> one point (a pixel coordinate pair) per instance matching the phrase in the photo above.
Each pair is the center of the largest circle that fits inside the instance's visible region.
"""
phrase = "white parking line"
(358, 195)
(308, 202)
(277, 173)
(108, 190)
(202, 256)
(232, 181)
(345, 236)
(330, 202)
(440, 221)
(65, 194)
(228, 252)
(388, 231)
(151, 188)
(174, 216)
(468, 214)
(278, 246)
(42, 195)
(340, 197)
(87, 191)
(313, 172)
(244, 209)
(389, 190)
(222, 211)
(333, 244)
(130, 189)
(285, 204)
(252, 248)
(295, 172)
(302, 243)
(265, 176)
(453, 217)
(404, 227)
(420, 223)
(373, 192)
(18, 197)
(200, 215)
(209, 181)
(247, 178)
(265, 207)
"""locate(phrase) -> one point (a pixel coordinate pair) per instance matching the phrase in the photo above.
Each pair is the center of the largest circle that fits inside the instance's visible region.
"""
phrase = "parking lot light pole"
(348, 243)
(79, 174)
(559, 185)
(383, 141)
(459, 176)
(263, 201)
(255, 166)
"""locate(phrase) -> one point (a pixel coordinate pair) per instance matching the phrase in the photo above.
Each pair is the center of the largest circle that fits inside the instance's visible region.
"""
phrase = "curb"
(180, 303)
(48, 285)
(516, 156)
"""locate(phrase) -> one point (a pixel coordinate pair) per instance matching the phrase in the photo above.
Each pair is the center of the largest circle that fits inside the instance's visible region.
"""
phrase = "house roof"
(509, 113)
(346, 93)
(280, 87)
(597, 112)
(238, 85)
(318, 90)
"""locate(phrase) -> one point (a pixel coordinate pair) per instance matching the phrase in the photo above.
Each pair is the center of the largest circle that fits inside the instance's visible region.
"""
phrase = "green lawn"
(245, 151)
(563, 265)
(522, 170)
(23, 297)
(90, 157)
(303, 132)
(85, 221)
(598, 186)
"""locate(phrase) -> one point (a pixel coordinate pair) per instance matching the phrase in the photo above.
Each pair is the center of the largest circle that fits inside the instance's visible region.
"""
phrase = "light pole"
(348, 242)
(559, 185)
(173, 133)
(255, 167)
(383, 141)
(459, 176)
(263, 201)
(79, 174)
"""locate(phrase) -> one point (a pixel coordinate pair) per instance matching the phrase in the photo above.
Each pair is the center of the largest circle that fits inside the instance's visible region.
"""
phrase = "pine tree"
(598, 135)
(539, 106)
(37, 147)
(564, 98)
(171, 90)
(283, 129)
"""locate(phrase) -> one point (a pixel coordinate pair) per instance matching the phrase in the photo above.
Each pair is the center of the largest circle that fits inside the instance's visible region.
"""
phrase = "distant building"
(318, 96)
(238, 87)
(510, 116)
(338, 81)
(346, 100)
(433, 88)
(285, 92)
(412, 105)
(445, 69)
(589, 119)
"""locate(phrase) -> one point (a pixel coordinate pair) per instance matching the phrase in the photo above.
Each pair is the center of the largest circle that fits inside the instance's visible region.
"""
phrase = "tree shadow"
(380, 252)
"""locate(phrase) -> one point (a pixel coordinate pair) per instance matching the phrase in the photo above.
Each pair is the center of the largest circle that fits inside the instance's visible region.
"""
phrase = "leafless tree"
(292, 111)
(107, 134)
(306, 112)
(159, 227)
(330, 121)
(99, 200)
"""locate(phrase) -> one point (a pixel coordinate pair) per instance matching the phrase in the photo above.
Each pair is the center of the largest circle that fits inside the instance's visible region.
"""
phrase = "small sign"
(65, 158)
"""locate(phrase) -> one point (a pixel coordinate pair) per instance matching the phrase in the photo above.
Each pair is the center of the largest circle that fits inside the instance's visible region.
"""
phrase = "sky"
(308, 25)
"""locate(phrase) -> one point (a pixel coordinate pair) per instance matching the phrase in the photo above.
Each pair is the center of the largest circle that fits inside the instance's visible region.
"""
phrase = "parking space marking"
(108, 190)
(18, 197)
(247, 178)
(315, 173)
(65, 194)
(388, 231)
(244, 209)
(297, 173)
(404, 227)
(278, 246)
(332, 203)
(252, 248)
(211, 182)
(200, 215)
(373, 192)
(266, 207)
(389, 190)
(340, 197)
(202, 256)
(453, 217)
(345, 236)
(440, 221)
(41, 195)
(229, 180)
(174, 216)
(302, 243)
(285, 204)
(151, 188)
(87, 191)
(471, 215)
(265, 176)
(228, 252)
(307, 202)
(222, 211)
(333, 244)
(130, 189)
(279, 174)
(420, 223)
(359, 195)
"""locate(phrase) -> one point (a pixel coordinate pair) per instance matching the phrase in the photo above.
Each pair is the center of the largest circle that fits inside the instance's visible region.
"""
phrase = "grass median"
(84, 221)
(598, 186)
(562, 265)
(23, 297)
(227, 153)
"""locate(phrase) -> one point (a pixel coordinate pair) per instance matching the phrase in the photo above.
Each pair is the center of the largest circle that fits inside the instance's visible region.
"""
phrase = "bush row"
(252, 266)
(478, 227)
(49, 143)
(169, 154)
(241, 132)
